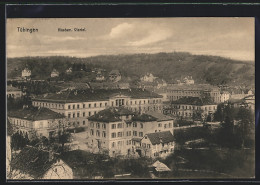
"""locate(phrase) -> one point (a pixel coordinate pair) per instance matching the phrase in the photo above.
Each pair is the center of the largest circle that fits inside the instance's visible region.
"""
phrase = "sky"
(228, 37)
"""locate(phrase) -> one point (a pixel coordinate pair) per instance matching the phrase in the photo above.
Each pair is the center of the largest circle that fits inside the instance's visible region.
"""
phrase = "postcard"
(130, 98)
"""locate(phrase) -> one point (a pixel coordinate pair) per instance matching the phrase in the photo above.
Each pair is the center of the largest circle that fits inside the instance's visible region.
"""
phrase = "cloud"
(121, 30)
(155, 35)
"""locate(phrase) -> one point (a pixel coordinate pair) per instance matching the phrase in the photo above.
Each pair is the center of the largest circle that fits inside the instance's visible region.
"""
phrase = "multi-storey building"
(13, 92)
(175, 91)
(26, 73)
(78, 105)
(158, 144)
(39, 121)
(119, 130)
(55, 73)
(191, 106)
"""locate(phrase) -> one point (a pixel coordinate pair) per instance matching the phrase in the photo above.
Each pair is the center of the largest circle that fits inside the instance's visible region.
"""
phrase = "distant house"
(149, 77)
(224, 96)
(158, 144)
(68, 71)
(54, 73)
(33, 163)
(192, 106)
(115, 76)
(13, 92)
(100, 77)
(26, 73)
(160, 83)
(186, 80)
(43, 121)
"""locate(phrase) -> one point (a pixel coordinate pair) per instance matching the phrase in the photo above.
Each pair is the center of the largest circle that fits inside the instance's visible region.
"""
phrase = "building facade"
(77, 105)
(13, 92)
(26, 73)
(36, 121)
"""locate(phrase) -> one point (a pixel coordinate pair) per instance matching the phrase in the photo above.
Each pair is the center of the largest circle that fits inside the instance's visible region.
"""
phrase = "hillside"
(169, 66)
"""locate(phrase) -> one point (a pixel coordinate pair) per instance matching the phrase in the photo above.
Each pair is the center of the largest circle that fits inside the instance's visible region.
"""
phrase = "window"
(165, 125)
(83, 122)
(128, 125)
(134, 133)
(89, 105)
(104, 126)
(73, 106)
(89, 113)
(73, 115)
(69, 107)
(113, 126)
(120, 134)
(170, 125)
(159, 125)
(113, 135)
(113, 144)
(78, 114)
(95, 104)
(128, 133)
(119, 125)
(103, 134)
(83, 105)
(134, 124)
(97, 125)
(84, 114)
(100, 104)
(105, 104)
(91, 132)
(148, 146)
(141, 125)
(97, 133)
(78, 106)
(140, 134)
(69, 115)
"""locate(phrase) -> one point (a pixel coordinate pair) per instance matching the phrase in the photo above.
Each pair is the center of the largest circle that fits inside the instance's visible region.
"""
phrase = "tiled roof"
(11, 88)
(86, 95)
(160, 137)
(34, 113)
(32, 161)
(159, 116)
(201, 87)
(143, 118)
(111, 114)
(194, 101)
(114, 72)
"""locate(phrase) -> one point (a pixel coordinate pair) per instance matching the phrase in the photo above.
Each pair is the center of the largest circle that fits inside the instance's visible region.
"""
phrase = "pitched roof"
(199, 87)
(160, 137)
(159, 116)
(143, 118)
(85, 95)
(11, 88)
(34, 113)
(160, 167)
(32, 161)
(114, 72)
(111, 114)
(194, 101)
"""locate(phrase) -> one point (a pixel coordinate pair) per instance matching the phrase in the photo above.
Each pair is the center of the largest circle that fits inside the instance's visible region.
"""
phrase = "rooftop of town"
(194, 101)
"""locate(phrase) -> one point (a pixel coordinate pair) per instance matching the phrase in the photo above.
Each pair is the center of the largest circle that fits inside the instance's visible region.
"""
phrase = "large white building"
(78, 105)
(118, 131)
(26, 73)
(39, 121)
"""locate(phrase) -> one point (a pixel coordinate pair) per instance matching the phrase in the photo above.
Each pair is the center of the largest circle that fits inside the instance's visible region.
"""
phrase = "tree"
(245, 125)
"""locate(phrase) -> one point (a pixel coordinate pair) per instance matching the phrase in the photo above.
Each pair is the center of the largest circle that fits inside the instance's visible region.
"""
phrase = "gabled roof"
(32, 161)
(114, 72)
(11, 88)
(143, 118)
(35, 113)
(111, 114)
(85, 95)
(194, 101)
(160, 137)
(160, 167)
(159, 116)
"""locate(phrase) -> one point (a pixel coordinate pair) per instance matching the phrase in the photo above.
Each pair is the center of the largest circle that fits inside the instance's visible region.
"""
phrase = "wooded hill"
(169, 66)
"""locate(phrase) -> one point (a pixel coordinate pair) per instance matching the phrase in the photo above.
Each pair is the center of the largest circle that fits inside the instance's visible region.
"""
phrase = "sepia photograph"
(130, 98)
